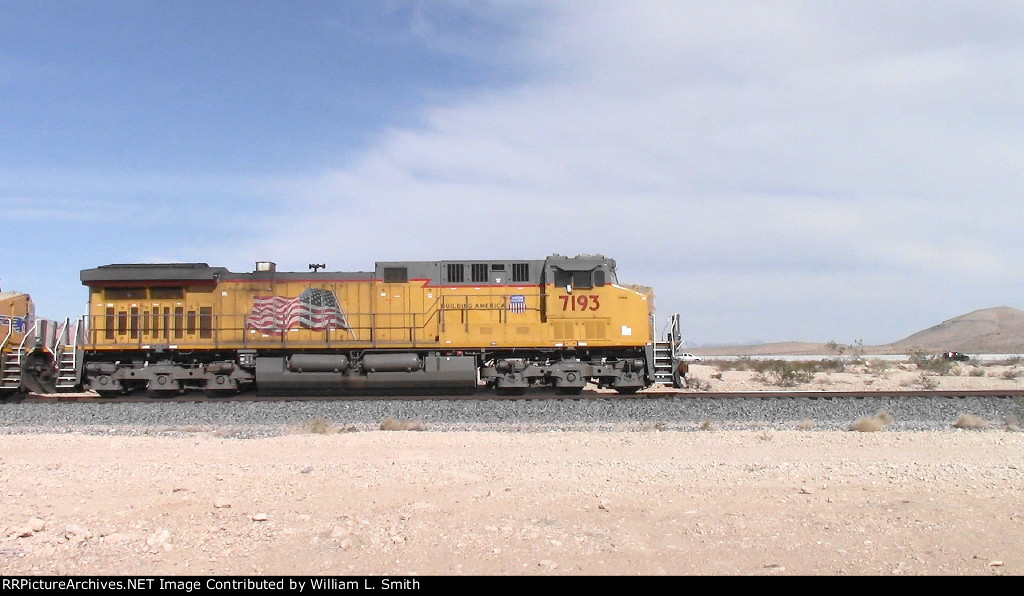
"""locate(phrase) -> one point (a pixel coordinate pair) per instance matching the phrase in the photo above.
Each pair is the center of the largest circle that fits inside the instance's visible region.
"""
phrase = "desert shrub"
(1012, 421)
(874, 423)
(1015, 414)
(970, 422)
(708, 425)
(322, 426)
(318, 426)
(741, 363)
(977, 371)
(776, 365)
(700, 385)
(1011, 373)
(927, 382)
(855, 350)
(867, 424)
(784, 373)
(391, 423)
(829, 365)
(805, 425)
(877, 367)
(930, 363)
(937, 366)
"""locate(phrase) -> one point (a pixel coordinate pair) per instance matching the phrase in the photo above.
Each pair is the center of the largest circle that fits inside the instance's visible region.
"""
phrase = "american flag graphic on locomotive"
(313, 309)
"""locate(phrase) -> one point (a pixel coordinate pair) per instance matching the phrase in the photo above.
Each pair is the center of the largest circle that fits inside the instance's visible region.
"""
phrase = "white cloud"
(776, 170)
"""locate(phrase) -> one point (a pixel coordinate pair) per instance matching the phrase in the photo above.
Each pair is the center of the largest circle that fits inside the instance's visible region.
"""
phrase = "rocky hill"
(989, 330)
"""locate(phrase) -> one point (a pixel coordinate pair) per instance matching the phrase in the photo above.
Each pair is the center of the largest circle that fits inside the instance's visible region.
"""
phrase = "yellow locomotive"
(406, 326)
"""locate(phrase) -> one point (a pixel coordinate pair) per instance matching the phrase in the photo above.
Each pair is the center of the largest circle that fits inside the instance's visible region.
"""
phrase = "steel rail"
(539, 394)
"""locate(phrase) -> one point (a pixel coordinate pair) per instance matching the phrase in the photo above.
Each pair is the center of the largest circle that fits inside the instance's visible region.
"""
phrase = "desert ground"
(867, 374)
(405, 504)
(421, 503)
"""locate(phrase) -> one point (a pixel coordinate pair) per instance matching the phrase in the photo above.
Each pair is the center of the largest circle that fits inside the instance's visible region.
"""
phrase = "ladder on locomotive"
(10, 363)
(10, 367)
(66, 353)
(666, 359)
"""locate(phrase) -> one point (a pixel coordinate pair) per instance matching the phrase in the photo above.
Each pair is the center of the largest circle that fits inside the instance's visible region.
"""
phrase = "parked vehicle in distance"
(687, 357)
(957, 356)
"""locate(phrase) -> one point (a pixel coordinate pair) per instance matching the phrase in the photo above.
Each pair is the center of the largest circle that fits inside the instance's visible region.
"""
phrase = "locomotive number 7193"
(581, 302)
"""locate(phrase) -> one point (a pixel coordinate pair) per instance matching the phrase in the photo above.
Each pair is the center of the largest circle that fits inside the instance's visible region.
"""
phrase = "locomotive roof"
(497, 271)
(197, 272)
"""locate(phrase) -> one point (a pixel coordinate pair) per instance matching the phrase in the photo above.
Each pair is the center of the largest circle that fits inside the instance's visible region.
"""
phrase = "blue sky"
(775, 170)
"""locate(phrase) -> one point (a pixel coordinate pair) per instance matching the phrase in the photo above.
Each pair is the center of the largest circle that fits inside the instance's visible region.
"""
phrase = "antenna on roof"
(316, 268)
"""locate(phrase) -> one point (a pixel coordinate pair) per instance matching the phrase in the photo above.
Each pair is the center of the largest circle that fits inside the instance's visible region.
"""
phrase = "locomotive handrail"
(671, 331)
(58, 338)
(28, 333)
(10, 332)
(10, 329)
(59, 343)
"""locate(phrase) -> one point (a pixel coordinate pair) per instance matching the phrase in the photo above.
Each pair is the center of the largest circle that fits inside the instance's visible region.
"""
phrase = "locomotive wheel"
(110, 393)
(626, 390)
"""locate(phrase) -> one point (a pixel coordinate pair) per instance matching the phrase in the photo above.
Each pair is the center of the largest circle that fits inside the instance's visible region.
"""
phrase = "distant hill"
(991, 330)
(998, 330)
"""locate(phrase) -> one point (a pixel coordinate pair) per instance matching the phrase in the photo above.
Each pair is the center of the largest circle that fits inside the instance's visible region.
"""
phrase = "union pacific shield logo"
(18, 323)
(313, 309)
(517, 303)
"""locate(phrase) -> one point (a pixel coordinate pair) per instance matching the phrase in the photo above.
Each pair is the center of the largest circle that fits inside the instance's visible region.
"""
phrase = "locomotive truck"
(406, 326)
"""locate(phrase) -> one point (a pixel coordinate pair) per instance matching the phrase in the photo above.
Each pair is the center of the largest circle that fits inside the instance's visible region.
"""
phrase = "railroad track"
(538, 395)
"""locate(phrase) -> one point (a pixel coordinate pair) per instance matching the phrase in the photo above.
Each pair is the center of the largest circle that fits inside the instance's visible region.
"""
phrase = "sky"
(845, 171)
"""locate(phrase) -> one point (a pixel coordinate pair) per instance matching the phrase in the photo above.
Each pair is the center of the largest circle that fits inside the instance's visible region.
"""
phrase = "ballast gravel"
(261, 419)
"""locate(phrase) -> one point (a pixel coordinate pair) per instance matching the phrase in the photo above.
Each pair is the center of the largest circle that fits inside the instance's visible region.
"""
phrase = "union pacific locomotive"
(408, 326)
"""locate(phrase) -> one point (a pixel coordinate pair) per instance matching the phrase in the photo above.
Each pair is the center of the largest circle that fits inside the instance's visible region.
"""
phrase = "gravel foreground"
(249, 419)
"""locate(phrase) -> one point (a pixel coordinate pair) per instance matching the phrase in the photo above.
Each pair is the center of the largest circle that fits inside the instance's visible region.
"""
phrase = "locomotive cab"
(582, 272)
